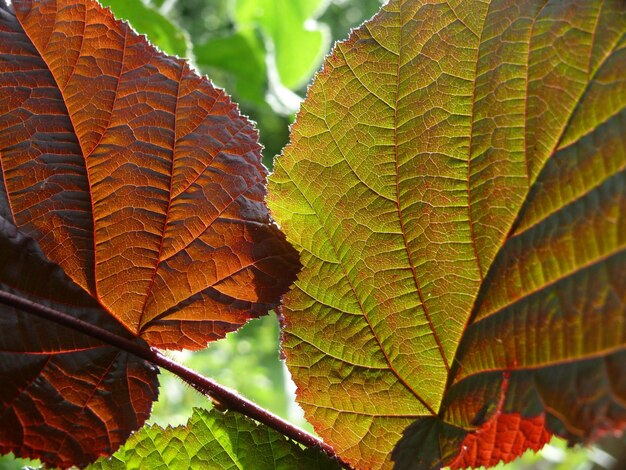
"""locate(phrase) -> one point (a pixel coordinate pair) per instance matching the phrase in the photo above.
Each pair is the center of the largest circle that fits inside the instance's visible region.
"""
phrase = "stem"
(208, 387)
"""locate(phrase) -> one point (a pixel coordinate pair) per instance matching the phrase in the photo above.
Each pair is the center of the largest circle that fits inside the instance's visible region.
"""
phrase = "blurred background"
(265, 53)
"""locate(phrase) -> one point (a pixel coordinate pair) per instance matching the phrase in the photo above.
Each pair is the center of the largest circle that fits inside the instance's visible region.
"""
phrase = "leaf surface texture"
(456, 186)
(65, 398)
(139, 178)
(131, 197)
(212, 439)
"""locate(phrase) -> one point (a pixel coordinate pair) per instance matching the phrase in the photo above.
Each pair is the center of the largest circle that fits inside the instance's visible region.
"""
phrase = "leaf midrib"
(166, 219)
(354, 292)
(397, 198)
(92, 287)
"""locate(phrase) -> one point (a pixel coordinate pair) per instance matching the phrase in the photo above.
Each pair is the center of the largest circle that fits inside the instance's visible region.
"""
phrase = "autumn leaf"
(212, 439)
(139, 178)
(131, 197)
(456, 186)
(65, 398)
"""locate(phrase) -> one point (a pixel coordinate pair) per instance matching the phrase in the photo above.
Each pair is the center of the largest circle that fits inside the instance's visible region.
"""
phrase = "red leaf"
(139, 178)
(143, 183)
(501, 439)
(65, 398)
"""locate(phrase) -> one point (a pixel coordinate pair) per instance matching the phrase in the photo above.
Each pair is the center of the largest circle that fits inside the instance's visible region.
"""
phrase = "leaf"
(297, 42)
(65, 398)
(226, 53)
(143, 182)
(276, 46)
(456, 185)
(146, 20)
(131, 197)
(212, 439)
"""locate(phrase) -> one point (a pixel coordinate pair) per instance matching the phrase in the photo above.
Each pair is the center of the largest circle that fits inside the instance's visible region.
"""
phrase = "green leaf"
(297, 41)
(216, 440)
(243, 56)
(276, 46)
(456, 186)
(146, 20)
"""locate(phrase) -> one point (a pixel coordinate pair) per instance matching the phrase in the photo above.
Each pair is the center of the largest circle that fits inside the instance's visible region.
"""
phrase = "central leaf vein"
(356, 296)
(397, 201)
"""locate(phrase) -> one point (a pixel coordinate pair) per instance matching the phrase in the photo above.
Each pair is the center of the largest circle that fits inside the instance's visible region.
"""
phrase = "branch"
(208, 387)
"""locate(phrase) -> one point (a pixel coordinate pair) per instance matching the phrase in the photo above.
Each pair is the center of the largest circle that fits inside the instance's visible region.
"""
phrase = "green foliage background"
(264, 53)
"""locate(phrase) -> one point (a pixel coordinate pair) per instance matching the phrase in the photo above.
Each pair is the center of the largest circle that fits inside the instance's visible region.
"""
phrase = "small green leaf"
(146, 20)
(298, 42)
(275, 47)
(215, 440)
(243, 56)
